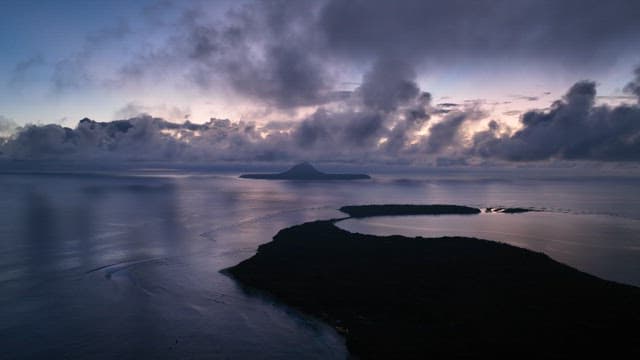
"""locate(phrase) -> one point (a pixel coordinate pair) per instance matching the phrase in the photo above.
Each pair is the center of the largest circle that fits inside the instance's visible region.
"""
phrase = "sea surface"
(126, 264)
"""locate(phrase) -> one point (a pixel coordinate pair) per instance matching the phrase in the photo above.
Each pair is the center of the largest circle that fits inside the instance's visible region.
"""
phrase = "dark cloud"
(447, 133)
(573, 129)
(390, 83)
(404, 130)
(265, 50)
(525, 97)
(287, 76)
(140, 138)
(286, 53)
(134, 109)
(387, 106)
(633, 87)
(570, 30)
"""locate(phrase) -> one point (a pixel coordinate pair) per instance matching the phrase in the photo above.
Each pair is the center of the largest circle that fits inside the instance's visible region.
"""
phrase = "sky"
(413, 81)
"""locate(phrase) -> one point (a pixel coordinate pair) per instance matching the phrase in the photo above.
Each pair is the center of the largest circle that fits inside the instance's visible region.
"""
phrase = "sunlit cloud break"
(387, 118)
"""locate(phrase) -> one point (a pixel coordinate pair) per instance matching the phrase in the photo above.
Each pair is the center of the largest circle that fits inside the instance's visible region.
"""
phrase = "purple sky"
(412, 81)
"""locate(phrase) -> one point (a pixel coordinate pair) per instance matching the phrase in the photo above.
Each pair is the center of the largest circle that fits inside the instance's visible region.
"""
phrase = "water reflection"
(127, 265)
(118, 267)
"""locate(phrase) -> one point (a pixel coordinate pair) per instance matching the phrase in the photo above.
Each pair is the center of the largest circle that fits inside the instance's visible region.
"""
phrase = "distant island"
(514, 210)
(304, 171)
(361, 211)
(448, 297)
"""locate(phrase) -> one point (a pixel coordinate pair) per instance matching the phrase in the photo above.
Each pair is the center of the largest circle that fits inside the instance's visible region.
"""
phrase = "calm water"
(127, 264)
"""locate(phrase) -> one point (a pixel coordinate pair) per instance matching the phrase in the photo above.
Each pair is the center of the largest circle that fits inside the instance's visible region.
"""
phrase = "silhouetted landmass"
(514, 210)
(395, 297)
(305, 171)
(360, 211)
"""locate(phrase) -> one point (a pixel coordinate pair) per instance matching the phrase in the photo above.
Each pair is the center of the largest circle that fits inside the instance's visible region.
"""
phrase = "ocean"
(126, 264)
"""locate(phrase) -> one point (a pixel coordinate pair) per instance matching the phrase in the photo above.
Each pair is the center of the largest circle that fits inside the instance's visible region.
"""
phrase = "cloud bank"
(292, 55)
(573, 129)
(388, 118)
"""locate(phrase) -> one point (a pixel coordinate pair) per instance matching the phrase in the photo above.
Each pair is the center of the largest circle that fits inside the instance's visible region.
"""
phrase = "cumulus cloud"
(447, 132)
(374, 123)
(134, 109)
(7, 127)
(287, 54)
(139, 138)
(267, 51)
(633, 87)
(573, 129)
(379, 118)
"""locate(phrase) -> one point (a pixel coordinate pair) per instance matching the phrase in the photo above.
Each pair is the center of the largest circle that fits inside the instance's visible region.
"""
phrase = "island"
(361, 211)
(512, 210)
(448, 297)
(304, 171)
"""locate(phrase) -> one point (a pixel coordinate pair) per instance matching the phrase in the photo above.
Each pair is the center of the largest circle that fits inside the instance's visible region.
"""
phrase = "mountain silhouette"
(304, 171)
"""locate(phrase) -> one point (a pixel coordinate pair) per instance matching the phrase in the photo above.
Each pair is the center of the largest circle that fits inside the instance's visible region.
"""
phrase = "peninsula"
(361, 211)
(304, 171)
(448, 297)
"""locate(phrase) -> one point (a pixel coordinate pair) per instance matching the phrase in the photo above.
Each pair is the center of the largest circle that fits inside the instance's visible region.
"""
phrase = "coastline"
(449, 296)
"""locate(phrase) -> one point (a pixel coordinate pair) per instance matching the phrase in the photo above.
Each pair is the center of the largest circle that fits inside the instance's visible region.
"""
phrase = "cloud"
(23, 69)
(7, 127)
(446, 132)
(573, 129)
(387, 105)
(390, 124)
(263, 50)
(289, 54)
(525, 97)
(387, 108)
(446, 29)
(74, 71)
(139, 138)
(633, 87)
(388, 84)
(134, 109)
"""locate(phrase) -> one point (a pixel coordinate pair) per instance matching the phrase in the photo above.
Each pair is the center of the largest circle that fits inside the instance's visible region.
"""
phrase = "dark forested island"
(360, 211)
(304, 171)
(449, 297)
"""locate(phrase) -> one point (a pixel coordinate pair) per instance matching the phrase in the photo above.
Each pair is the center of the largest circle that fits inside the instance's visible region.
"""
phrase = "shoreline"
(449, 296)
